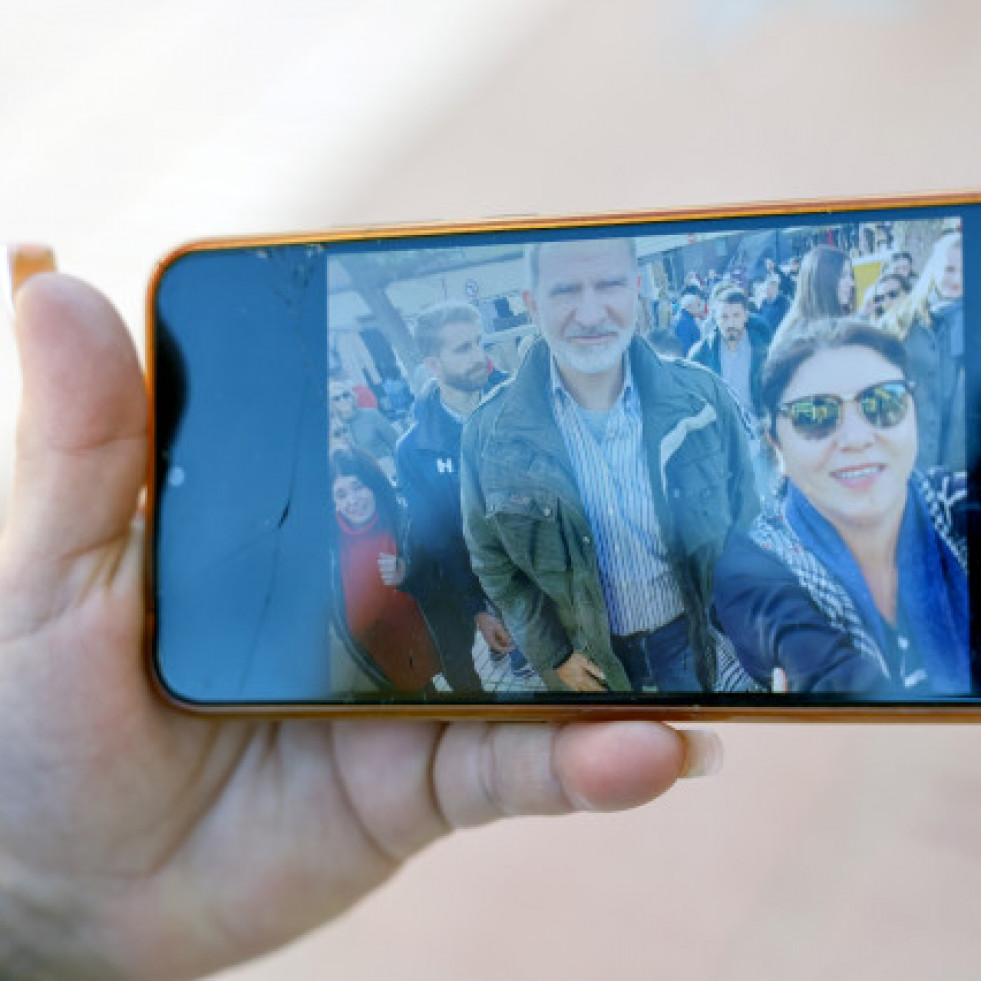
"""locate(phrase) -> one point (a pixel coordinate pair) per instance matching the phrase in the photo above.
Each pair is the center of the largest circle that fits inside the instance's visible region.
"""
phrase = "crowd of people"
(767, 496)
(423, 531)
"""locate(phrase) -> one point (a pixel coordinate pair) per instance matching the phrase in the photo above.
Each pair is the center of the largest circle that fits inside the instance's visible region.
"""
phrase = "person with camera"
(136, 841)
(855, 581)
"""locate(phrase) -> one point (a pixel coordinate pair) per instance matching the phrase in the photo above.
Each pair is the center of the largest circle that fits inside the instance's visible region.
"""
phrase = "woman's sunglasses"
(818, 416)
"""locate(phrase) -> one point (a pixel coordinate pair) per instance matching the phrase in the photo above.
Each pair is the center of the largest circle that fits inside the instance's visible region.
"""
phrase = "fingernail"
(24, 261)
(703, 753)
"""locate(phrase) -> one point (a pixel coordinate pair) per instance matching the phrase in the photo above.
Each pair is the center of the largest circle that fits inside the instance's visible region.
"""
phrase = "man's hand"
(581, 674)
(135, 841)
(494, 632)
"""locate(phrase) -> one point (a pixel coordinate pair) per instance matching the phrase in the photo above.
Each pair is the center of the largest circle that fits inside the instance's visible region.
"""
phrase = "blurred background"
(126, 128)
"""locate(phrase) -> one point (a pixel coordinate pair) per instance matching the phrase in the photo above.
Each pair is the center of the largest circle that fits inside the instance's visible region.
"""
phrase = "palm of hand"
(116, 798)
(137, 840)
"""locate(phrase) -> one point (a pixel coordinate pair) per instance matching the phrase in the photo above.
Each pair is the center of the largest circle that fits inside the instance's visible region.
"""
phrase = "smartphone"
(718, 463)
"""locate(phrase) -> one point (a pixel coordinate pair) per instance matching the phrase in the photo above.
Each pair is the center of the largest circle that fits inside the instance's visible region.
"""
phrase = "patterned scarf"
(933, 592)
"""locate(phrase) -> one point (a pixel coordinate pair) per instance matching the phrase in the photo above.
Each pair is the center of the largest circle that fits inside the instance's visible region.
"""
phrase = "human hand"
(581, 674)
(139, 842)
(494, 632)
(391, 569)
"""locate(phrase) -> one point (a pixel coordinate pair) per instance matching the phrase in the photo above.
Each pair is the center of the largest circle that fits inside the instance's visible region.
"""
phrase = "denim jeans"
(659, 660)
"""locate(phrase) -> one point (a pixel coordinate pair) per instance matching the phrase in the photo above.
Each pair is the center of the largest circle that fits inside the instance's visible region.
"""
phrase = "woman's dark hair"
(357, 463)
(817, 285)
(805, 339)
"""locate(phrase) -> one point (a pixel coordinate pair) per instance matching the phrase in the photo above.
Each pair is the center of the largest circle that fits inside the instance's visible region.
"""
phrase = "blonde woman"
(930, 323)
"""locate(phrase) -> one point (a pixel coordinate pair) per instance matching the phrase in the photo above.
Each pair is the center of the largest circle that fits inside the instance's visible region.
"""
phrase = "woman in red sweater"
(385, 625)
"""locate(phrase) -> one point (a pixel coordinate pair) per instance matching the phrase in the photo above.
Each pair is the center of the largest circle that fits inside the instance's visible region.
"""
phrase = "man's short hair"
(428, 330)
(533, 255)
(908, 256)
(722, 287)
(735, 295)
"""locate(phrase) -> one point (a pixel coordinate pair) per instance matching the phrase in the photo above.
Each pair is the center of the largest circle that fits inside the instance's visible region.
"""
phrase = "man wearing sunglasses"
(901, 263)
(369, 430)
(889, 289)
(855, 584)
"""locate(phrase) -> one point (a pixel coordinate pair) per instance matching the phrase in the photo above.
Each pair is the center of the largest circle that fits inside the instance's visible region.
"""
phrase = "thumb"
(81, 439)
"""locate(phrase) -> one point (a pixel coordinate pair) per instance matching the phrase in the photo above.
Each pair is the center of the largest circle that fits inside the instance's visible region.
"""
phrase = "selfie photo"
(613, 463)
(581, 463)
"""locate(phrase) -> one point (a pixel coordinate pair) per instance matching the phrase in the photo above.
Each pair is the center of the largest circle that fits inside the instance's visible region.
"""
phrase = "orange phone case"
(773, 711)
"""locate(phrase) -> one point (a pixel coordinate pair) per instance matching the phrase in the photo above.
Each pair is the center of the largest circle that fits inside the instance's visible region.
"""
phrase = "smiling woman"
(383, 627)
(855, 581)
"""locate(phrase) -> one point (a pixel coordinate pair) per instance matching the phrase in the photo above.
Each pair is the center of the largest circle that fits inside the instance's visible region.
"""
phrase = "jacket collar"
(438, 431)
(526, 417)
(526, 414)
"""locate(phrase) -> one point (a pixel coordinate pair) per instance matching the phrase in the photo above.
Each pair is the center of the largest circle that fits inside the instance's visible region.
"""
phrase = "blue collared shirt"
(610, 463)
(736, 366)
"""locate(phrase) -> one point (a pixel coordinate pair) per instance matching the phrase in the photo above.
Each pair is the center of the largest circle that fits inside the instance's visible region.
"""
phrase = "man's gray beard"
(595, 362)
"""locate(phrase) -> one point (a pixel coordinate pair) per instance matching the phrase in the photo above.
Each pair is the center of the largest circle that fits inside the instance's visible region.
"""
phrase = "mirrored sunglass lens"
(815, 417)
(885, 405)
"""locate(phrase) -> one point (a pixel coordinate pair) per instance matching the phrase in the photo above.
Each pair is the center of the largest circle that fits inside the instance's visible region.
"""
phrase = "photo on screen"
(718, 461)
(722, 460)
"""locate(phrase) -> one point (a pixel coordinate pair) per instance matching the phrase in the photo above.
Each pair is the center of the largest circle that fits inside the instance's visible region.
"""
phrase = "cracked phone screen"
(602, 464)
(243, 600)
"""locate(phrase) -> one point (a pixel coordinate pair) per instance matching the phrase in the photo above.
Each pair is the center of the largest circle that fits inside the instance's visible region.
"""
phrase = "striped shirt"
(610, 463)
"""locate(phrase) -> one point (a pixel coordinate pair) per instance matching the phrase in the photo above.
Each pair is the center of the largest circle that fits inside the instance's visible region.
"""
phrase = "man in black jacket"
(428, 473)
(735, 351)
(775, 304)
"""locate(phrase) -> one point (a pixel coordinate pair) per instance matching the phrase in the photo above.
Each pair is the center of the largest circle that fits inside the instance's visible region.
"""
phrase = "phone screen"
(728, 461)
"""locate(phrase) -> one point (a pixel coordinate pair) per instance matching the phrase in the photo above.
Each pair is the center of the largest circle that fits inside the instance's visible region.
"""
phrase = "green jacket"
(529, 538)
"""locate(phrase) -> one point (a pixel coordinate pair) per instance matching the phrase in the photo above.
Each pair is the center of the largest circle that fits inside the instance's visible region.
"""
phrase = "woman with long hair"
(384, 626)
(825, 287)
